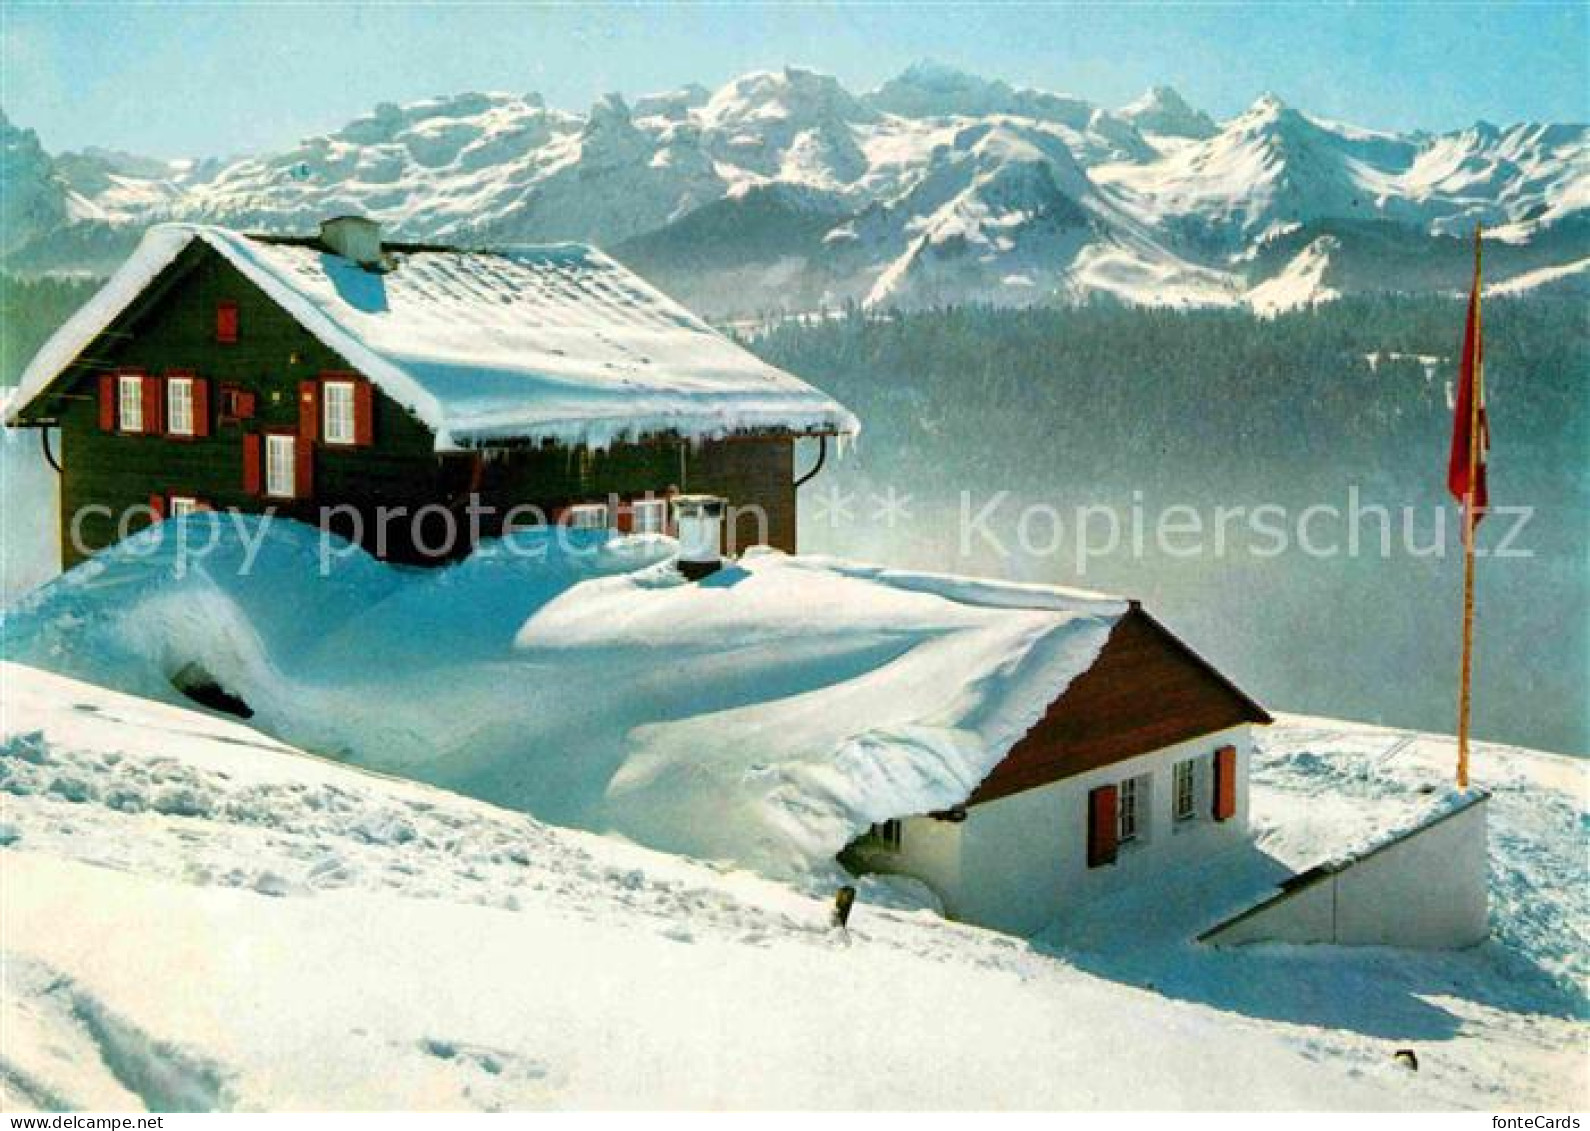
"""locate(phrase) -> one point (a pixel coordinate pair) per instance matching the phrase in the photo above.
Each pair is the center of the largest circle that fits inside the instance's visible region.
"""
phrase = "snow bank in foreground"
(194, 916)
(764, 716)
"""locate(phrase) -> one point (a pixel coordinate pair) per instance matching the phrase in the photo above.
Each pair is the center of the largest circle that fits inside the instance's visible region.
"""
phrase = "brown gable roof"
(1147, 690)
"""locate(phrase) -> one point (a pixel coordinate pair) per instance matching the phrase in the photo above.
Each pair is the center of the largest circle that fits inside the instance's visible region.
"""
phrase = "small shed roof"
(557, 343)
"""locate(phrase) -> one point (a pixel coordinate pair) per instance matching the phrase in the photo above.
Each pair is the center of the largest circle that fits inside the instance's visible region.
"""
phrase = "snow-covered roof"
(554, 343)
(764, 716)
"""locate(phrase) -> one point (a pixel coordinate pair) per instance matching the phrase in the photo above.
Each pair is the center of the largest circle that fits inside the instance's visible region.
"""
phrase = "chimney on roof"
(699, 521)
(354, 237)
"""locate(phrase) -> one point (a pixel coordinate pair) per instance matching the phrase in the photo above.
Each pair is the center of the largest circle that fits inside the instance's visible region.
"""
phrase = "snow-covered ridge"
(765, 716)
(938, 186)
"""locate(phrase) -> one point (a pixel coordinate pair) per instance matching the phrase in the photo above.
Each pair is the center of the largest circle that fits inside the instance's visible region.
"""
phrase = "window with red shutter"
(226, 322)
(1225, 791)
(236, 404)
(1101, 826)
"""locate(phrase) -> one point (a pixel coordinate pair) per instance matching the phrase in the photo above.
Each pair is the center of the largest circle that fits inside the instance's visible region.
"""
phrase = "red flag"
(1471, 437)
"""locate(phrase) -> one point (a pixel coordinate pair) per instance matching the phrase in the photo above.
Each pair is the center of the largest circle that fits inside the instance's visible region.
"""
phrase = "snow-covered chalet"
(340, 374)
(1018, 748)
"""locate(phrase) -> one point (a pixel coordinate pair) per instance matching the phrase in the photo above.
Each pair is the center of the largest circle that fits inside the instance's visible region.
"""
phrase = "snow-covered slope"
(194, 916)
(938, 186)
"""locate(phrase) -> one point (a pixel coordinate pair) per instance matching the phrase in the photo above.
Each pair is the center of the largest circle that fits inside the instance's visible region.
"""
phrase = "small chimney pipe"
(699, 522)
(357, 238)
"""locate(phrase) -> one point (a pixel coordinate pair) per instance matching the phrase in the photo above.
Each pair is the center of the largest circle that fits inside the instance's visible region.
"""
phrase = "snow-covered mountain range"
(784, 190)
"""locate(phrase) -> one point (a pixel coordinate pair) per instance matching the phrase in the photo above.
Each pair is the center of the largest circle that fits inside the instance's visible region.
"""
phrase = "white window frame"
(130, 402)
(656, 524)
(337, 427)
(179, 406)
(1184, 790)
(281, 465)
(588, 516)
(179, 505)
(1127, 799)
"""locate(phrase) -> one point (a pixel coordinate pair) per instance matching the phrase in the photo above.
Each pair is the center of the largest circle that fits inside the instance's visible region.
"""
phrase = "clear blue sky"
(220, 78)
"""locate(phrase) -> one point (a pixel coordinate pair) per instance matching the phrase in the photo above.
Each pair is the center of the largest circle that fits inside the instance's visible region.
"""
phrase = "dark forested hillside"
(30, 310)
(1143, 410)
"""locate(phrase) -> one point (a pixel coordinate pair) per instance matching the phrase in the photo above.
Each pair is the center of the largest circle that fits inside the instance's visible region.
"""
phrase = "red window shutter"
(107, 402)
(154, 395)
(226, 322)
(308, 412)
(1101, 826)
(363, 414)
(624, 518)
(253, 457)
(303, 469)
(1225, 783)
(245, 404)
(157, 503)
(201, 407)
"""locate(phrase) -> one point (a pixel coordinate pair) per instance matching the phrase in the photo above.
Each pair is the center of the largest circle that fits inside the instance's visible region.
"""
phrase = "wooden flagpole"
(1466, 685)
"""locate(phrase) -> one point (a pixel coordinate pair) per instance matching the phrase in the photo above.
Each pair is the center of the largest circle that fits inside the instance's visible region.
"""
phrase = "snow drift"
(765, 715)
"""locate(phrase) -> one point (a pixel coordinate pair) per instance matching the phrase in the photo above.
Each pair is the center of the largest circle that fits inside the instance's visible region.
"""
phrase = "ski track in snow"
(191, 906)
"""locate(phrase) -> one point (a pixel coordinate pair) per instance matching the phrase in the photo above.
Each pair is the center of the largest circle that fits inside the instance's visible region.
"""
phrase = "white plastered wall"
(1017, 864)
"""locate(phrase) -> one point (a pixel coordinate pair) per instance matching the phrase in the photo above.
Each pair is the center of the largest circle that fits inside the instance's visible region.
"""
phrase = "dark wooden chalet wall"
(1145, 691)
(174, 328)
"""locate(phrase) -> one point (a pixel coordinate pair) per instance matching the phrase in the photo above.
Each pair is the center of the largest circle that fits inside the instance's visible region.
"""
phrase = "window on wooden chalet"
(588, 516)
(130, 402)
(180, 505)
(650, 516)
(179, 406)
(1185, 786)
(280, 466)
(226, 322)
(337, 408)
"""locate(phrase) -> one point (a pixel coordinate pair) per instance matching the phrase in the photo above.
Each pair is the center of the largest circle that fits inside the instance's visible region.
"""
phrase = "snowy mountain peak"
(34, 195)
(609, 112)
(794, 94)
(1267, 107)
(928, 89)
(674, 105)
(1162, 110)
